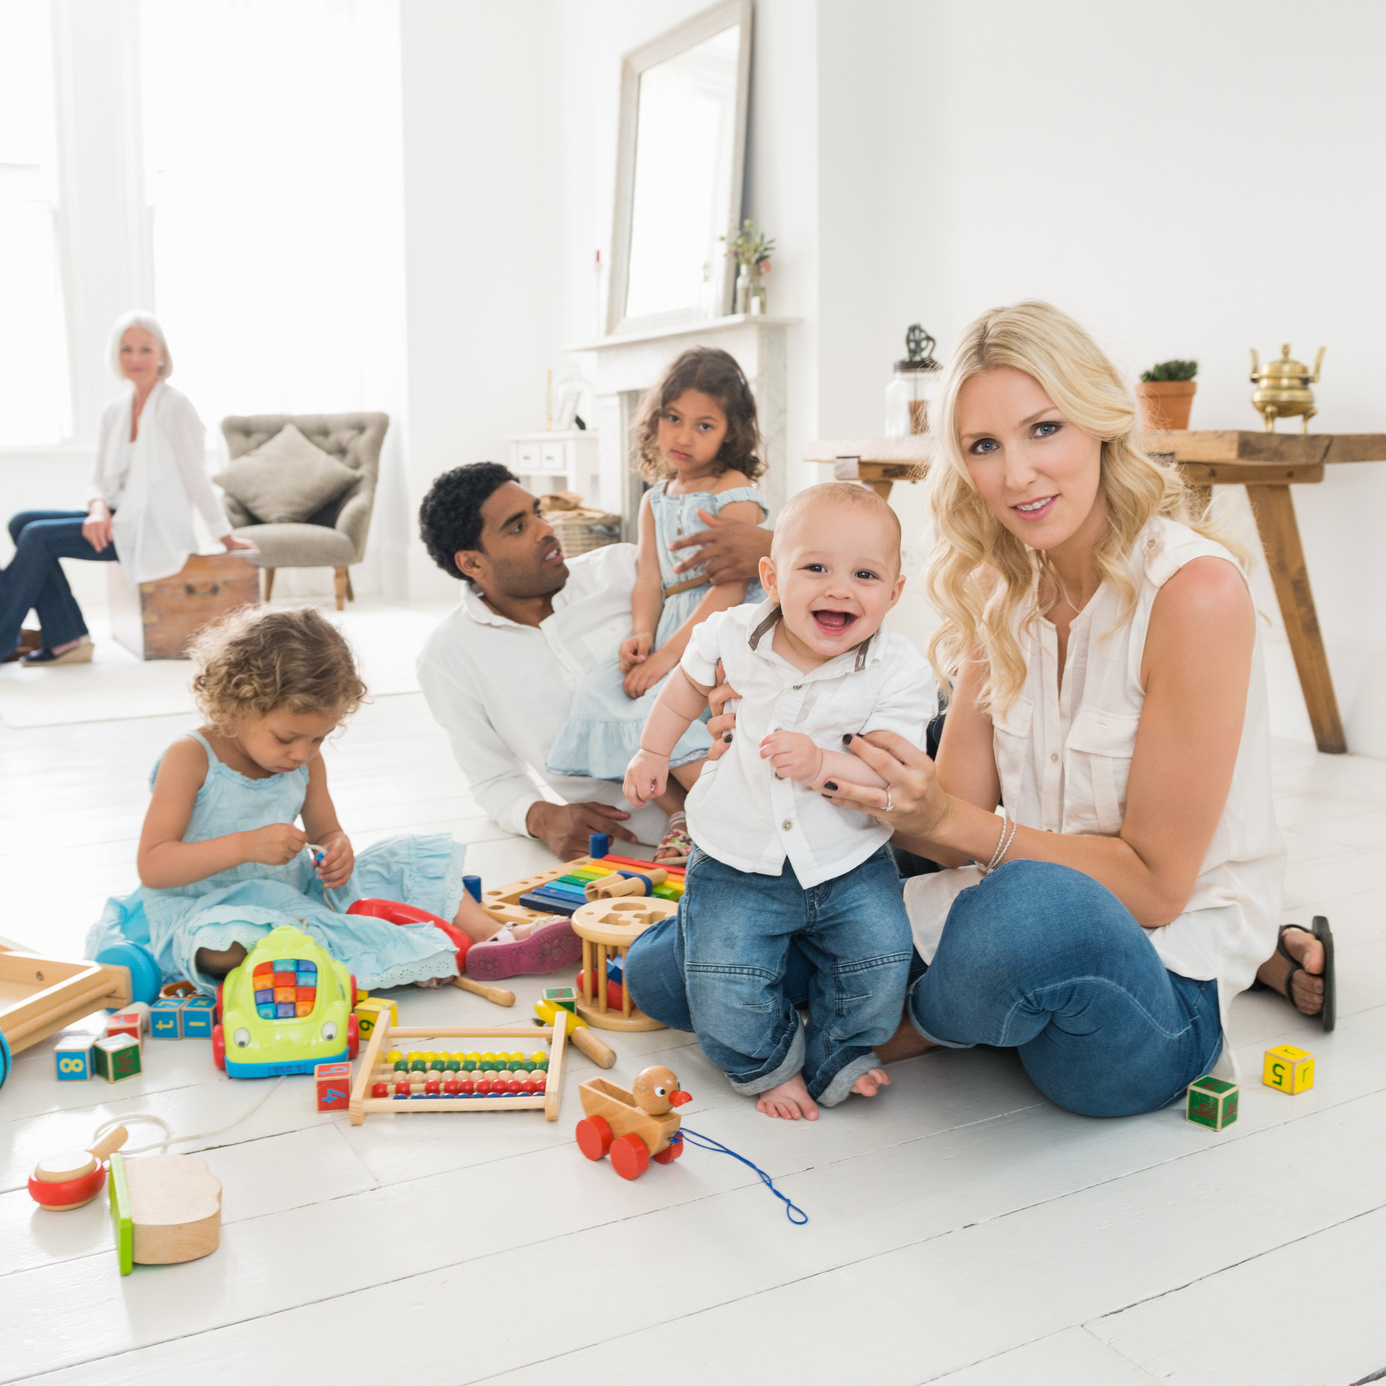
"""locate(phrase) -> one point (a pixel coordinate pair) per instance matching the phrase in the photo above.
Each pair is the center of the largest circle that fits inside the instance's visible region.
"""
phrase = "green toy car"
(285, 1009)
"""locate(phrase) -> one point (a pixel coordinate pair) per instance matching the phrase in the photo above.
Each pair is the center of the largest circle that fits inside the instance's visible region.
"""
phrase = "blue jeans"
(35, 580)
(1039, 958)
(734, 933)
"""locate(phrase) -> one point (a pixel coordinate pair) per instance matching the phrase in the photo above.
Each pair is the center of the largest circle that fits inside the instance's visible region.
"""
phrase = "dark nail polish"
(828, 784)
(726, 736)
(847, 738)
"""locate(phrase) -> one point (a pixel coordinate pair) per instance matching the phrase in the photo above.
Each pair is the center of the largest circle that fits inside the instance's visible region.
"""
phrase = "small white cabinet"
(568, 461)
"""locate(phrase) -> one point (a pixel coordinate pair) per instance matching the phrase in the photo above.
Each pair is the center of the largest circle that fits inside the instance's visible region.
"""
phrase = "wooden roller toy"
(625, 883)
(72, 1178)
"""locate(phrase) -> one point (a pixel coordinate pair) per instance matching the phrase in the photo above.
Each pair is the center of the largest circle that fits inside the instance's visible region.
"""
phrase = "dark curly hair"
(257, 659)
(450, 516)
(716, 373)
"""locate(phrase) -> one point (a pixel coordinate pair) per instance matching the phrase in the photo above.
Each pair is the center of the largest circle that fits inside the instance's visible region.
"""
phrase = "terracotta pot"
(1166, 403)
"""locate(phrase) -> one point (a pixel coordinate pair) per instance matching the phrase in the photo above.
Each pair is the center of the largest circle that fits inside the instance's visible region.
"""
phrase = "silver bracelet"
(1003, 844)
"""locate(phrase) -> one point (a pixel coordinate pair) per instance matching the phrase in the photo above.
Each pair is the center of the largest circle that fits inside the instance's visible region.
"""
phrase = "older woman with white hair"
(150, 473)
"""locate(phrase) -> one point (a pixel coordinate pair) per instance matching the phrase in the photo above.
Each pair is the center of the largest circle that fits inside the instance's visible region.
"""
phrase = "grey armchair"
(336, 536)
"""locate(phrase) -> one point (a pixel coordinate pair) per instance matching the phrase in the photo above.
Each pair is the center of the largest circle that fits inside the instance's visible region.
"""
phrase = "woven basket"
(578, 528)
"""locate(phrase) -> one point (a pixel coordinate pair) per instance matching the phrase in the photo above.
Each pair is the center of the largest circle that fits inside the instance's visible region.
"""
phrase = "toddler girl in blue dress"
(221, 857)
(697, 438)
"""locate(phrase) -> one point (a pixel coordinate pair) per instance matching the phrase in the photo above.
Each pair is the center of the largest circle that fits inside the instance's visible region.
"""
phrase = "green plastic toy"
(285, 1009)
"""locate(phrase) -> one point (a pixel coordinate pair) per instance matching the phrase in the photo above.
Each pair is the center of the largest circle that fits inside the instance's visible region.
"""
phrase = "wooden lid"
(617, 923)
(65, 1165)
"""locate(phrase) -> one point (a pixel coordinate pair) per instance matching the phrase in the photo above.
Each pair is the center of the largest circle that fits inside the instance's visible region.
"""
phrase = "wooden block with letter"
(1289, 1069)
(1213, 1102)
(157, 620)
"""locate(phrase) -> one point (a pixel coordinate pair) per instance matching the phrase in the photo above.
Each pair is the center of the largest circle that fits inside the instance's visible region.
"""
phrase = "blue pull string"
(707, 1143)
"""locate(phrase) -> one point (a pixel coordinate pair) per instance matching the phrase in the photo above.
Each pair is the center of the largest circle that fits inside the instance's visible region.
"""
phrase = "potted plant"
(752, 249)
(1166, 394)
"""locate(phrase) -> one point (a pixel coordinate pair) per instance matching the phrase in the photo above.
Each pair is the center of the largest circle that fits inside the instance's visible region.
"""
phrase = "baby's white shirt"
(740, 811)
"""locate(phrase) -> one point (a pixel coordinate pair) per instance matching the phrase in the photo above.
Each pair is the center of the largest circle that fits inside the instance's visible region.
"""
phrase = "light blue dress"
(602, 733)
(243, 904)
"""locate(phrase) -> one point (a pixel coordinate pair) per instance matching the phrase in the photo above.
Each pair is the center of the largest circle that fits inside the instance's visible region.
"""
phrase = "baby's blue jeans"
(734, 936)
(1039, 958)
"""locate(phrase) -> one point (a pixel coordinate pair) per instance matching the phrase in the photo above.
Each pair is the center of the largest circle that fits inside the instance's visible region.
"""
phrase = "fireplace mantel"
(622, 367)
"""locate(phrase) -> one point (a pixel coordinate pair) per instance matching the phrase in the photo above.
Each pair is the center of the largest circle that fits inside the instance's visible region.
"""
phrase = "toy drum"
(607, 929)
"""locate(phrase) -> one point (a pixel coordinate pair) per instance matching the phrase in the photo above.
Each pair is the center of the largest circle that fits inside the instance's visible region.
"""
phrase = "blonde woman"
(150, 472)
(1107, 688)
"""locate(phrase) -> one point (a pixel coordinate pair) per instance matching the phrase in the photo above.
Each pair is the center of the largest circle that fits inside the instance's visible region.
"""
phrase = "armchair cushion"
(298, 546)
(285, 480)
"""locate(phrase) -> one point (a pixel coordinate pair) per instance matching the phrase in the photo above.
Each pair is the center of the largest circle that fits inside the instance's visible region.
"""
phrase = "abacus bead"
(401, 1089)
(380, 1090)
(450, 1086)
(528, 1065)
(469, 1066)
(467, 1087)
(418, 1066)
(454, 1065)
(539, 1056)
(393, 1056)
(513, 1085)
(517, 1057)
(474, 1056)
(439, 1065)
(543, 1067)
(401, 1065)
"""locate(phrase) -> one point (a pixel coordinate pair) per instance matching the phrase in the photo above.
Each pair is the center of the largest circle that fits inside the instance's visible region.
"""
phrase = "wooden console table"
(1267, 464)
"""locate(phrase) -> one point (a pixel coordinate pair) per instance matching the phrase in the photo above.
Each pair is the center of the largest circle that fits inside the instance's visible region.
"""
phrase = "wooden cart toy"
(636, 1126)
(39, 996)
(607, 929)
(389, 1080)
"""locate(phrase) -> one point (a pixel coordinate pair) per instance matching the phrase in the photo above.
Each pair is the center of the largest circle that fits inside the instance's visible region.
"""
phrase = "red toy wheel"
(218, 1048)
(669, 1154)
(629, 1157)
(594, 1136)
(355, 995)
(216, 1014)
(353, 1036)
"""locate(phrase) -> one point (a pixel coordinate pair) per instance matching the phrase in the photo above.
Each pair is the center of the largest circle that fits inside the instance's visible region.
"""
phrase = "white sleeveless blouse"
(1064, 755)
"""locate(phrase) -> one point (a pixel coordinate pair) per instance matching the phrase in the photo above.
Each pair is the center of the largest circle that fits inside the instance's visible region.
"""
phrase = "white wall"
(1189, 180)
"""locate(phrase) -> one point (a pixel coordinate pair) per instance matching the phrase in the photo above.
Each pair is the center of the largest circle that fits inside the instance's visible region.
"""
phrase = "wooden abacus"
(607, 929)
(374, 1070)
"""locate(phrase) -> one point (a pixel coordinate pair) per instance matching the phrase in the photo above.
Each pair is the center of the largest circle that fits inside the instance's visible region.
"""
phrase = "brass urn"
(1282, 389)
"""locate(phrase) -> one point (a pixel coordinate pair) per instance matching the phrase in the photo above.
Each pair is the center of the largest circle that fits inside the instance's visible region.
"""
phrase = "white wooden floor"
(962, 1228)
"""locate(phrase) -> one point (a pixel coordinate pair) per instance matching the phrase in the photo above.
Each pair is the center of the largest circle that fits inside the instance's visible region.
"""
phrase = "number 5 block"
(1288, 1069)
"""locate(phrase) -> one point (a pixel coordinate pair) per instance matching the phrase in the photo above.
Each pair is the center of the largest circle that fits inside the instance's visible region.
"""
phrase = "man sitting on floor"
(499, 672)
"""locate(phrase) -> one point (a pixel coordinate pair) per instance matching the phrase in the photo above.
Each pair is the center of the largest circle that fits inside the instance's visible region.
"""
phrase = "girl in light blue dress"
(697, 438)
(221, 857)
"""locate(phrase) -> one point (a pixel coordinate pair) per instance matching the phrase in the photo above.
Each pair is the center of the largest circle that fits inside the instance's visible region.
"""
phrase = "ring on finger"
(889, 805)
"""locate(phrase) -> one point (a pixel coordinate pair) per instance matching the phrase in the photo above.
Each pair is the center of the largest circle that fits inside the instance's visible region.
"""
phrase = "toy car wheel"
(353, 1036)
(594, 1136)
(218, 1048)
(629, 1157)
(669, 1154)
(355, 994)
(216, 1014)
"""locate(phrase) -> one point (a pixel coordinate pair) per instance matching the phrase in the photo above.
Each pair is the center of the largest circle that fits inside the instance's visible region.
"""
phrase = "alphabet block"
(72, 1059)
(166, 1019)
(562, 996)
(368, 1011)
(117, 1057)
(334, 1086)
(124, 1023)
(1213, 1103)
(1288, 1069)
(196, 1017)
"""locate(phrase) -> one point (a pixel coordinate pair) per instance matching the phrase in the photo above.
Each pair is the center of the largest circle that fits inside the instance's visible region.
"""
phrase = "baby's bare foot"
(789, 1100)
(871, 1082)
(519, 931)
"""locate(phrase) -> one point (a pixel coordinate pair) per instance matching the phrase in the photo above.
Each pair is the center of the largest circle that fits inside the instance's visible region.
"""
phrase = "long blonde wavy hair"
(981, 577)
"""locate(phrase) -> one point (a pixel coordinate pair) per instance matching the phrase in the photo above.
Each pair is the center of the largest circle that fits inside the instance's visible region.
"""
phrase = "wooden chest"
(160, 619)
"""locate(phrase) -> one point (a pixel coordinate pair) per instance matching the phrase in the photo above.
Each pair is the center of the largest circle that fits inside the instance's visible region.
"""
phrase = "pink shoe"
(550, 948)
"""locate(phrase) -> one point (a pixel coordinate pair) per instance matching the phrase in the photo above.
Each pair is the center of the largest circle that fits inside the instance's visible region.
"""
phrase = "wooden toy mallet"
(578, 1031)
(626, 883)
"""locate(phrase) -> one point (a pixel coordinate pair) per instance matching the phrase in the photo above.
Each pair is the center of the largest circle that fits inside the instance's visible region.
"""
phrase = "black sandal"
(1320, 930)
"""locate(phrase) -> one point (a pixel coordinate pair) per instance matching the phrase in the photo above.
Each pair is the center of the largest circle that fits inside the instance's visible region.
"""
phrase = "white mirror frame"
(689, 34)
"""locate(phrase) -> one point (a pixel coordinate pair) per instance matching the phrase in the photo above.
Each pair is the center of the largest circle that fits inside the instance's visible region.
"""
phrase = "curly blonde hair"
(980, 576)
(716, 373)
(256, 660)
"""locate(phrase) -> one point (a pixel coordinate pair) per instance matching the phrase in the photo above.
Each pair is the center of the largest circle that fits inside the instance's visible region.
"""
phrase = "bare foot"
(1306, 991)
(905, 1043)
(790, 1100)
(871, 1082)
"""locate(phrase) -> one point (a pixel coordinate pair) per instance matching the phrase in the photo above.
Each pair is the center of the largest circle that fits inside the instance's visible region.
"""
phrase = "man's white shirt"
(502, 691)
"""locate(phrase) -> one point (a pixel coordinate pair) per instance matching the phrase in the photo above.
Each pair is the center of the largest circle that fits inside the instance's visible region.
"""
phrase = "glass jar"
(913, 387)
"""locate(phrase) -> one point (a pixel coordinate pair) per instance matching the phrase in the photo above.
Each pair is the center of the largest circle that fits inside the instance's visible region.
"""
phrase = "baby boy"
(775, 862)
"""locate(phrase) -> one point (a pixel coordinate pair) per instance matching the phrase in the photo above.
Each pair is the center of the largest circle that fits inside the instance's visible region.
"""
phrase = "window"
(35, 406)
